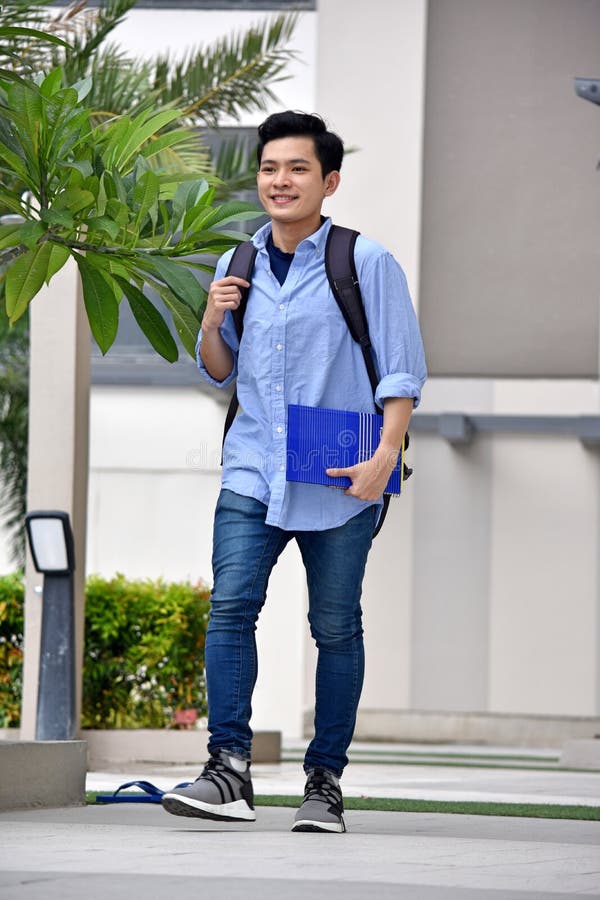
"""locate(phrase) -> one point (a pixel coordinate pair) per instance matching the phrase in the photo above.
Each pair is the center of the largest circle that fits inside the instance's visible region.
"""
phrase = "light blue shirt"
(296, 348)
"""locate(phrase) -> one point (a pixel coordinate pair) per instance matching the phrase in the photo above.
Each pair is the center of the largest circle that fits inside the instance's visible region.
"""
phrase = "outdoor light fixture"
(51, 543)
(588, 89)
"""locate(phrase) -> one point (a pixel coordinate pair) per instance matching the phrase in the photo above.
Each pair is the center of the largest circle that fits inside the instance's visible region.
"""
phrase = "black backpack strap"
(343, 279)
(341, 272)
(241, 264)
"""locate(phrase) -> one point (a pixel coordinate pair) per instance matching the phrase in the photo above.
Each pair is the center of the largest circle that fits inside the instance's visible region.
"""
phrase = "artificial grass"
(470, 808)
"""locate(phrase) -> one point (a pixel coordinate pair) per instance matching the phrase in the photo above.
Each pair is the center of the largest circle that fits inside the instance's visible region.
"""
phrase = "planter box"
(142, 745)
(42, 773)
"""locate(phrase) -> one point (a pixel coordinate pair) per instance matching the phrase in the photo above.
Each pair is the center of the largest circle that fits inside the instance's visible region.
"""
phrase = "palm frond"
(232, 76)
(92, 30)
(235, 166)
(119, 84)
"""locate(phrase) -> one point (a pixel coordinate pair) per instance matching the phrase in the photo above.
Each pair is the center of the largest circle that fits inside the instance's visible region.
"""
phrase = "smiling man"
(296, 349)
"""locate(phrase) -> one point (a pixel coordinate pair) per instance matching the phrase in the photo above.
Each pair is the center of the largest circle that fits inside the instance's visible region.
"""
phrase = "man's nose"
(282, 177)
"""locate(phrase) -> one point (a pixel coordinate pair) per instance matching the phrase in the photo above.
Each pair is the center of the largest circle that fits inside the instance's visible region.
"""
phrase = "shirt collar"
(318, 239)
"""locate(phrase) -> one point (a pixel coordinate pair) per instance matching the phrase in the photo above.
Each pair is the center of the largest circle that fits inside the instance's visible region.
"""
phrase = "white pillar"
(371, 90)
(58, 453)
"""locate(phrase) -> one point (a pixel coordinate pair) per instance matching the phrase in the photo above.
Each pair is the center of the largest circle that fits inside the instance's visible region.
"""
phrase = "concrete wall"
(507, 544)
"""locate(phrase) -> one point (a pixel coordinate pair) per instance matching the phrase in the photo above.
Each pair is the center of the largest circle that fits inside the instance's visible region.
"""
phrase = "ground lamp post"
(51, 543)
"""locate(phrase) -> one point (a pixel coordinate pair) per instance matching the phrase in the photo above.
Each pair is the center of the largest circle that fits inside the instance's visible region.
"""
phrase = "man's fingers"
(230, 280)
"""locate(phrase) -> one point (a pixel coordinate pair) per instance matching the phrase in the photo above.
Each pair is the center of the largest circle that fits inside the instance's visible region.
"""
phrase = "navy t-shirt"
(280, 261)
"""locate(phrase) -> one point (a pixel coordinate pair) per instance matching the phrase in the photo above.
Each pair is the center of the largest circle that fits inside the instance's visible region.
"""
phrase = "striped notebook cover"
(319, 439)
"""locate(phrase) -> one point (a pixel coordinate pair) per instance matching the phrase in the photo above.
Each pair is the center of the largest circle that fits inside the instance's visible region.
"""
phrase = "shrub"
(12, 596)
(143, 651)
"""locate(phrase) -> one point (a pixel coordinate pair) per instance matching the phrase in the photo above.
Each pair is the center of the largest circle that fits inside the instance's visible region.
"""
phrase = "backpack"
(343, 280)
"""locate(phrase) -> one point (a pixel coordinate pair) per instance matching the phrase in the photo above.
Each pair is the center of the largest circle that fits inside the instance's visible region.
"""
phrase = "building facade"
(474, 162)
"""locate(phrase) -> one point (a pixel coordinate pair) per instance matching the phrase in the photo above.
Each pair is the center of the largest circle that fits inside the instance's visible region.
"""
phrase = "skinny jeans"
(245, 550)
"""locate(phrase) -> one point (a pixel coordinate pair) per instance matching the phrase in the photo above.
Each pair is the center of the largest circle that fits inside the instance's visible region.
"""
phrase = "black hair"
(329, 148)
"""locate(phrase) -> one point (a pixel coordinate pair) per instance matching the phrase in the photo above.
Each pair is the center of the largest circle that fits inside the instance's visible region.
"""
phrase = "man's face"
(290, 182)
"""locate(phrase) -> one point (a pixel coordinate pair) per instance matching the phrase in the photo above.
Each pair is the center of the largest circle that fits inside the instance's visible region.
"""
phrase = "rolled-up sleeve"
(227, 332)
(393, 327)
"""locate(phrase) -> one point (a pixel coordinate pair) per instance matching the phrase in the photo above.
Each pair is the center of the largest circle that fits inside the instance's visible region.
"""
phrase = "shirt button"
(277, 387)
(282, 468)
(282, 306)
(279, 429)
(279, 347)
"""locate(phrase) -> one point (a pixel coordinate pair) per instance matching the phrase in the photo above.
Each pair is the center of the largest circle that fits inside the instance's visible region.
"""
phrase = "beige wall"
(511, 212)
(507, 589)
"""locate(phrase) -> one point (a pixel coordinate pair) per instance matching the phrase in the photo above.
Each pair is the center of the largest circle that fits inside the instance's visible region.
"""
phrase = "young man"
(296, 348)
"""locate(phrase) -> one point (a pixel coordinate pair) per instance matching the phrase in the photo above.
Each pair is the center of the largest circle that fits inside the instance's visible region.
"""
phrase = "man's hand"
(223, 294)
(369, 478)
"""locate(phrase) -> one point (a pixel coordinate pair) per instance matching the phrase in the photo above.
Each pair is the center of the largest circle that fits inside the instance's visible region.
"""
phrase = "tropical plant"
(85, 191)
(91, 195)
(232, 77)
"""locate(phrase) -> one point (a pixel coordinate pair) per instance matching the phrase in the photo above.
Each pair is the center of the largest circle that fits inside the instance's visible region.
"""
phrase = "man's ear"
(331, 183)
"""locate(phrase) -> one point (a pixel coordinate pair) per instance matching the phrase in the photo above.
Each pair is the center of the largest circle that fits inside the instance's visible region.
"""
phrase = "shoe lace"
(320, 787)
(215, 770)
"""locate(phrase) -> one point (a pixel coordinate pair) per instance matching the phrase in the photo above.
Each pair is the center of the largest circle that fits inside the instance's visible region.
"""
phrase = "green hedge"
(143, 651)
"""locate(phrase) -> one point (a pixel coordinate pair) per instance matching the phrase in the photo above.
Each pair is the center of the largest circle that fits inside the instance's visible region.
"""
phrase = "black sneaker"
(322, 808)
(223, 791)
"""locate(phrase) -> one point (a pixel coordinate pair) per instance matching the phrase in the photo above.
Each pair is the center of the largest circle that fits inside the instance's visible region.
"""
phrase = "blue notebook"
(319, 439)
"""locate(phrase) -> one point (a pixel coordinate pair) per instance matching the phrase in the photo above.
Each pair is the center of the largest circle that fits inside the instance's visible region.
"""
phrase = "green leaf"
(14, 160)
(73, 200)
(24, 279)
(186, 323)
(189, 195)
(83, 166)
(52, 82)
(103, 224)
(145, 196)
(9, 236)
(13, 31)
(58, 257)
(83, 88)
(140, 133)
(117, 211)
(176, 277)
(60, 217)
(234, 211)
(150, 321)
(30, 233)
(100, 303)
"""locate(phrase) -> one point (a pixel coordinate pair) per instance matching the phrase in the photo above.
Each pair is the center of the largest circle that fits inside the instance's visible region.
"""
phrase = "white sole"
(179, 805)
(313, 825)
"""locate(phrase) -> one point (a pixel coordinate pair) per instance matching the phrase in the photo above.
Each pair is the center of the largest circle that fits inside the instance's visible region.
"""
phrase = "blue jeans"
(244, 552)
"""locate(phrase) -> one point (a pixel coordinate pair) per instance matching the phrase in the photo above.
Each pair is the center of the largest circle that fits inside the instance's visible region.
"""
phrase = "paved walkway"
(130, 851)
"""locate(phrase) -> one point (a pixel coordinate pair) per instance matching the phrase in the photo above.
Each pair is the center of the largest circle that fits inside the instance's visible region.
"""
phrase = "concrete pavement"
(130, 851)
